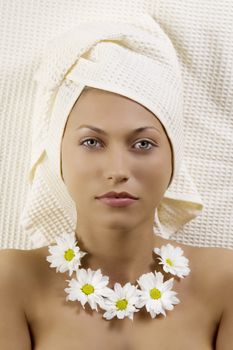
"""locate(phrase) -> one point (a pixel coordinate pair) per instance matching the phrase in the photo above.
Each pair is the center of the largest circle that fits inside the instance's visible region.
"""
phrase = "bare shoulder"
(20, 268)
(218, 263)
(14, 295)
(211, 269)
(209, 259)
(23, 260)
(213, 259)
(214, 265)
(12, 263)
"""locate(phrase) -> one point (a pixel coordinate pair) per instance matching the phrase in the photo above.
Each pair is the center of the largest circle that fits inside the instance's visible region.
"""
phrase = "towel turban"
(135, 59)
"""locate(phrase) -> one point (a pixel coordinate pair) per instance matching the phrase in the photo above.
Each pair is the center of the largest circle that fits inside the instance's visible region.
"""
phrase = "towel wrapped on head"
(134, 59)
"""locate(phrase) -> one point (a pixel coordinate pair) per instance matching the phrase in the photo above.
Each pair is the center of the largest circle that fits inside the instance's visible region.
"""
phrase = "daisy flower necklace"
(90, 286)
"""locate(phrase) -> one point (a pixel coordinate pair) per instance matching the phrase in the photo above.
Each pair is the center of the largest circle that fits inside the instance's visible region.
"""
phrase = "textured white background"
(202, 34)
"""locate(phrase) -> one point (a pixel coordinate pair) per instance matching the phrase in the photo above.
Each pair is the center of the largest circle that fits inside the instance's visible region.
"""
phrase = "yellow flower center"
(121, 304)
(69, 254)
(169, 262)
(88, 289)
(155, 293)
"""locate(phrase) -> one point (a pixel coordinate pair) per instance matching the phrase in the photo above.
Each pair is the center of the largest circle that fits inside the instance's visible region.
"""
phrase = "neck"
(121, 254)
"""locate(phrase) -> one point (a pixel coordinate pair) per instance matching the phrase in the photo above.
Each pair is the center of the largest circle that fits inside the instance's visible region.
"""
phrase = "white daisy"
(121, 301)
(155, 294)
(172, 260)
(65, 256)
(88, 287)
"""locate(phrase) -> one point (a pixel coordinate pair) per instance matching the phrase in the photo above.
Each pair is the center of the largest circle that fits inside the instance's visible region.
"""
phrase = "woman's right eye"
(82, 142)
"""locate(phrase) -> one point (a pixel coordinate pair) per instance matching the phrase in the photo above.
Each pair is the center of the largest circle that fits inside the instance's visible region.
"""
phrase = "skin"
(140, 164)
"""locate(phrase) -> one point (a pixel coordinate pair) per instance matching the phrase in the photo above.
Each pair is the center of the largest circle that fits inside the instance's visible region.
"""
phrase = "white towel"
(134, 58)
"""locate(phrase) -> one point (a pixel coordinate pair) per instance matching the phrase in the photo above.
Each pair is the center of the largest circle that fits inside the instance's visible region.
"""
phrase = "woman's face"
(116, 159)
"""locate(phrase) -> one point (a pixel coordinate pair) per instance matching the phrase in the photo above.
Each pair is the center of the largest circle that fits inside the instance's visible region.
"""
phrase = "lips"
(117, 195)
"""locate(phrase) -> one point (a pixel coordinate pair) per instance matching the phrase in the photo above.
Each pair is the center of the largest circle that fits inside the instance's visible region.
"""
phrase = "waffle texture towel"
(134, 58)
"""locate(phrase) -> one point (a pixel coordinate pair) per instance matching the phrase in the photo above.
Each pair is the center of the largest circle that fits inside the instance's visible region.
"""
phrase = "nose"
(117, 167)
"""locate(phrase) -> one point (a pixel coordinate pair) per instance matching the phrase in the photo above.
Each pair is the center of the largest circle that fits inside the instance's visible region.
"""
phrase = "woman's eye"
(147, 142)
(142, 142)
(82, 143)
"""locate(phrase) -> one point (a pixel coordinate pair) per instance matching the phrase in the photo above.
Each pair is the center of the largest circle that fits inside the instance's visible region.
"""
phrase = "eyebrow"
(138, 130)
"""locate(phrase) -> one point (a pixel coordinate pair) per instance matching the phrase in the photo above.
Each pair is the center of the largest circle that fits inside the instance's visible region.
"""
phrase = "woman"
(118, 239)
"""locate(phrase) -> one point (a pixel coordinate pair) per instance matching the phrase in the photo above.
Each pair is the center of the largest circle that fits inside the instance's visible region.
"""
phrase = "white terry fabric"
(201, 33)
(134, 58)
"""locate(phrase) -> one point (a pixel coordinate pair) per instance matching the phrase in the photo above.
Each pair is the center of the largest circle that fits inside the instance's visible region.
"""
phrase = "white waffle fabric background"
(202, 36)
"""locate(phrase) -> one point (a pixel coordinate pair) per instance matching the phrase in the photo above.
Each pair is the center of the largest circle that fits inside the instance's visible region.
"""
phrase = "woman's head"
(139, 62)
(118, 159)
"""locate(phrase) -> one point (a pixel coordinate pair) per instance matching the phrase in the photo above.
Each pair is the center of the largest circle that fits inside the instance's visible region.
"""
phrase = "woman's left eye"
(147, 142)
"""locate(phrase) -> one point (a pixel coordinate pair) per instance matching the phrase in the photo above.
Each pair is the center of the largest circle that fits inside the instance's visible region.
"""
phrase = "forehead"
(99, 106)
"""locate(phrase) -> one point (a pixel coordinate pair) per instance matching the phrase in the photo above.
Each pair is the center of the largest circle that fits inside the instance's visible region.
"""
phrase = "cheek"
(155, 175)
(79, 169)
(72, 167)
